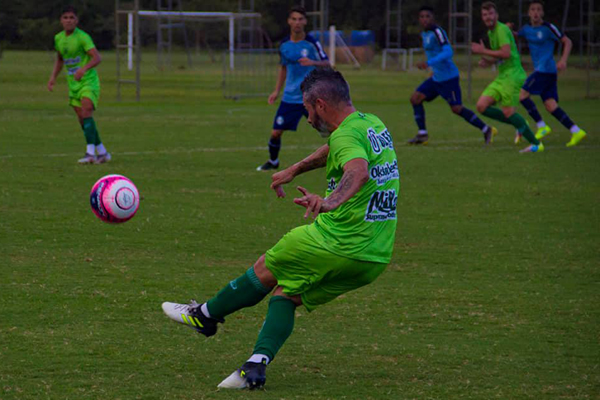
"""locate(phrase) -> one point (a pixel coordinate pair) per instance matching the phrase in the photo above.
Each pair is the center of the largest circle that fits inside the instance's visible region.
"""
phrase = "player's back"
(434, 41)
(364, 226)
(290, 52)
(542, 41)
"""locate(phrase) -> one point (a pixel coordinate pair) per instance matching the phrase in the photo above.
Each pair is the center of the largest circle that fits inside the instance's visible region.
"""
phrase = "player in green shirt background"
(77, 52)
(505, 89)
(348, 246)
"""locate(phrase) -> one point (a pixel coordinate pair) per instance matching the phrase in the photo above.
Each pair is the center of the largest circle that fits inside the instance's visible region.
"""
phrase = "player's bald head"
(328, 85)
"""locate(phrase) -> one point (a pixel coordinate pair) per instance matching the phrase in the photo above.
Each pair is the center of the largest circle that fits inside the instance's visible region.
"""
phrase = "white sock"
(274, 162)
(540, 124)
(204, 309)
(90, 149)
(574, 129)
(100, 149)
(257, 358)
(486, 129)
(422, 132)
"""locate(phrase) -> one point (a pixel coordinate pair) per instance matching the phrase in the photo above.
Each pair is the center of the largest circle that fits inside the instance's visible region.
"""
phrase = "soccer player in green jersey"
(77, 52)
(348, 246)
(506, 87)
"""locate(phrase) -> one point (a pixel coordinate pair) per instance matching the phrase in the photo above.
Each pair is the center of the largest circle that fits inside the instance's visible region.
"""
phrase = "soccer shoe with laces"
(534, 148)
(419, 139)
(267, 166)
(576, 138)
(488, 136)
(251, 375)
(192, 316)
(541, 132)
(87, 159)
(103, 158)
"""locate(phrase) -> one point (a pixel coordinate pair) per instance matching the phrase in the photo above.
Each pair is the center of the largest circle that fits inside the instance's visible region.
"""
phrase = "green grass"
(493, 291)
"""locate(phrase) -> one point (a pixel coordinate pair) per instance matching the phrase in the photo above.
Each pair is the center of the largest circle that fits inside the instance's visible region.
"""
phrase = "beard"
(321, 127)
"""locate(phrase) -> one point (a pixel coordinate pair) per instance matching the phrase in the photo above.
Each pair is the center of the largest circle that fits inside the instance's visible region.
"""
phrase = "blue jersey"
(541, 41)
(290, 52)
(439, 54)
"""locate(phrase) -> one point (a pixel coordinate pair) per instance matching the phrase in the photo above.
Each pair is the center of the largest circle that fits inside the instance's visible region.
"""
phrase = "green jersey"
(500, 36)
(364, 227)
(73, 49)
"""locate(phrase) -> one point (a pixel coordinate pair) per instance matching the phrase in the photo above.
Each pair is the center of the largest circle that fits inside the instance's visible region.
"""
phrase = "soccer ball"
(114, 199)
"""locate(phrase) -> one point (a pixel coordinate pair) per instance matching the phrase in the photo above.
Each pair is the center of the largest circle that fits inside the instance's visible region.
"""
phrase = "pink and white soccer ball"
(114, 199)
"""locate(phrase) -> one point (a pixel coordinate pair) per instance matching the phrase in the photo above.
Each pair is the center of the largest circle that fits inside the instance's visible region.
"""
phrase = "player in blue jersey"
(300, 53)
(443, 82)
(542, 37)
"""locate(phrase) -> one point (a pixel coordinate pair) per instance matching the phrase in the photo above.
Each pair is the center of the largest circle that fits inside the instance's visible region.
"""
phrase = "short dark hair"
(68, 9)
(488, 5)
(326, 84)
(540, 2)
(297, 9)
(427, 8)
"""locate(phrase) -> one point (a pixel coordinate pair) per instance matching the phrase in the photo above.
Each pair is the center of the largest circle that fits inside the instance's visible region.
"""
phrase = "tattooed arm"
(318, 159)
(356, 174)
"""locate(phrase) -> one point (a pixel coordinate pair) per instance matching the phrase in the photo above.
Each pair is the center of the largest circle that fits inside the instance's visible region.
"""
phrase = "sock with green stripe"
(523, 127)
(245, 291)
(278, 326)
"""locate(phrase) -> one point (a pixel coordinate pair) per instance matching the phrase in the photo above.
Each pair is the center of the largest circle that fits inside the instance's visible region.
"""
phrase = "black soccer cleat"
(255, 374)
(268, 166)
(419, 139)
(192, 316)
(251, 375)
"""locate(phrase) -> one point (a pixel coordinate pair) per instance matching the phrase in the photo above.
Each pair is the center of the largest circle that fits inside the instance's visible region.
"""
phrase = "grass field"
(493, 291)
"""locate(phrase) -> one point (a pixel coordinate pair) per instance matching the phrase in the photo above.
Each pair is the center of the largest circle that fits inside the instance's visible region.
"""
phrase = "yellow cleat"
(489, 135)
(576, 138)
(541, 132)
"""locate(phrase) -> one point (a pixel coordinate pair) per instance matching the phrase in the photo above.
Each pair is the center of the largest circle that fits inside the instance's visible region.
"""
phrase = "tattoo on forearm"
(316, 160)
(340, 194)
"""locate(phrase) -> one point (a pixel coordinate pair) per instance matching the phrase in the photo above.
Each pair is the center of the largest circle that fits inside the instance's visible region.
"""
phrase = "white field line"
(447, 145)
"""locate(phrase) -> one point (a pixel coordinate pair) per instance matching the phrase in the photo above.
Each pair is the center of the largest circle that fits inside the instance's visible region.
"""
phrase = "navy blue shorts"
(288, 115)
(449, 90)
(543, 84)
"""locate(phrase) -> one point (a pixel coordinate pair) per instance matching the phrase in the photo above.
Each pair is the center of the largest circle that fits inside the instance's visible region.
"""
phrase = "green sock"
(496, 113)
(242, 292)
(278, 326)
(519, 122)
(89, 130)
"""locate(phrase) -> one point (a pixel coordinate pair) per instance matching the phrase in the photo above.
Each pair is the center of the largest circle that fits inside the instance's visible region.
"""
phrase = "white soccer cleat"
(234, 381)
(192, 316)
(87, 159)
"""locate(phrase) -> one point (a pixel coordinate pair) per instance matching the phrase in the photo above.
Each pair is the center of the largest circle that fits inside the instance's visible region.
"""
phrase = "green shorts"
(505, 90)
(302, 266)
(89, 91)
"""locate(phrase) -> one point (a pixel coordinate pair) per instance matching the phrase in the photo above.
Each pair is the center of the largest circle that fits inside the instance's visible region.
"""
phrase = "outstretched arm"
(356, 174)
(318, 159)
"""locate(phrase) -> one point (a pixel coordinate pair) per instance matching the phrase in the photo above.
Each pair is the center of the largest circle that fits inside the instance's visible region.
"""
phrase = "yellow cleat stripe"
(198, 322)
(188, 320)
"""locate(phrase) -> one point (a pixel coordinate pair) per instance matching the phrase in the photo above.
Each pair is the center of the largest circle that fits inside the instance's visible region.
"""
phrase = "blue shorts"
(543, 84)
(288, 116)
(449, 90)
